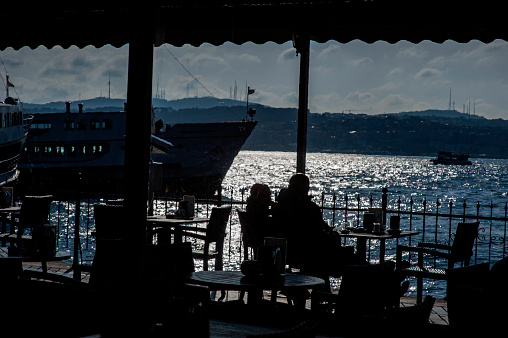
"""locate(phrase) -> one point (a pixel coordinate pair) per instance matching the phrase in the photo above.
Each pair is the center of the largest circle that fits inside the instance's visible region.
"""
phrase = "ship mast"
(7, 85)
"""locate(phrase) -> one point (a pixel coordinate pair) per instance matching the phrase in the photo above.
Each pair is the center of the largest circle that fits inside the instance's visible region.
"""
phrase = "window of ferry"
(95, 124)
(72, 151)
(47, 151)
(60, 151)
(69, 124)
(107, 124)
(81, 125)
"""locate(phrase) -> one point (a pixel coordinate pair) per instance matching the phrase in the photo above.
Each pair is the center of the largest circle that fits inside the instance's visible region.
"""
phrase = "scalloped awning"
(216, 22)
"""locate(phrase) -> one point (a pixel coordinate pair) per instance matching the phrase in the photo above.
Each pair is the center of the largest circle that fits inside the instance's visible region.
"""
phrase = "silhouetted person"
(258, 208)
(311, 243)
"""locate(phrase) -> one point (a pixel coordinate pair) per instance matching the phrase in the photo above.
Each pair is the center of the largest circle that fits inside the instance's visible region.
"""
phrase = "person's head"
(299, 184)
(261, 192)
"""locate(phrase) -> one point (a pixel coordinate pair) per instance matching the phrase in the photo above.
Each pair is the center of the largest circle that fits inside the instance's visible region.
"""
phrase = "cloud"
(396, 71)
(202, 60)
(358, 97)
(412, 52)
(328, 51)
(427, 73)
(250, 58)
(288, 54)
(361, 62)
(389, 86)
(395, 100)
(324, 102)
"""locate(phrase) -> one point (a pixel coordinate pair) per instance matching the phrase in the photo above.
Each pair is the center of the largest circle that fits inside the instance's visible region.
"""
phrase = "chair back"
(216, 229)
(462, 247)
(248, 228)
(110, 221)
(35, 210)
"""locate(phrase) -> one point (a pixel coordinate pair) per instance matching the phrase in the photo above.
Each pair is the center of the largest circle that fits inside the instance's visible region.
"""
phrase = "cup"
(395, 222)
(368, 221)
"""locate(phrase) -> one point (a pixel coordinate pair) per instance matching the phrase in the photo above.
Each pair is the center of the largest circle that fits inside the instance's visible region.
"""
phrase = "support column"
(137, 143)
(302, 44)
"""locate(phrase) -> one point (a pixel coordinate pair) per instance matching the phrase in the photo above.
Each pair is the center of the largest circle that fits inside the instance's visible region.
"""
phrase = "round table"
(236, 280)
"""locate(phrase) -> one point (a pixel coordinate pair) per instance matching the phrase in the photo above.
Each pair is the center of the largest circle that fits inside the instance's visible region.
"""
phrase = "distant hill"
(103, 102)
(418, 133)
(439, 114)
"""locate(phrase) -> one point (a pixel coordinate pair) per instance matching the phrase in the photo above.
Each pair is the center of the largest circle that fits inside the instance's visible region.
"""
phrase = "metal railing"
(435, 220)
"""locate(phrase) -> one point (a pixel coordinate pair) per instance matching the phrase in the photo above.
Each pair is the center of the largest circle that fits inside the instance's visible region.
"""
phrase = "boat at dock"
(13, 132)
(452, 157)
(64, 149)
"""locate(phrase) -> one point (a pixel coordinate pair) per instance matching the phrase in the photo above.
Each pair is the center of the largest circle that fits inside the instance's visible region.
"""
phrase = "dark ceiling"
(99, 23)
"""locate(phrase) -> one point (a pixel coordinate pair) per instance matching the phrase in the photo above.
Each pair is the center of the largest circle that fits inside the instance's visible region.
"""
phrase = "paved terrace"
(221, 328)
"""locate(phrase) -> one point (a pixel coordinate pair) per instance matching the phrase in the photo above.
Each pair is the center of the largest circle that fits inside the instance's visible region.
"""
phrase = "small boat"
(13, 132)
(452, 157)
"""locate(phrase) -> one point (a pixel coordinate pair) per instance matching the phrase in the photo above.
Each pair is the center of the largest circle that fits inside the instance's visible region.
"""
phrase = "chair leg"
(419, 290)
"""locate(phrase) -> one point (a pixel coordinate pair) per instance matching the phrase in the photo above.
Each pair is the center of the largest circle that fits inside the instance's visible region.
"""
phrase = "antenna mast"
(450, 101)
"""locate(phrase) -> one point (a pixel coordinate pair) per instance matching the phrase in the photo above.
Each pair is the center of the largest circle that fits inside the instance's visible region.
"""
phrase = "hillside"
(406, 133)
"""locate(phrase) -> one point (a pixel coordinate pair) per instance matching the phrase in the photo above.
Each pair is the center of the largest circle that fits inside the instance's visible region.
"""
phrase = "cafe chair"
(215, 232)
(460, 251)
(252, 238)
(110, 244)
(475, 296)
(34, 212)
(366, 292)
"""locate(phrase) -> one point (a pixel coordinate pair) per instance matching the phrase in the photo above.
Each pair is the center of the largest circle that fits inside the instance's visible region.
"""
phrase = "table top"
(10, 209)
(379, 235)
(164, 220)
(236, 280)
(59, 256)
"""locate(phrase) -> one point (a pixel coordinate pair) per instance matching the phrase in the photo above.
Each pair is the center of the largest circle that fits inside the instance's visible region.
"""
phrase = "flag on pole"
(250, 91)
(9, 83)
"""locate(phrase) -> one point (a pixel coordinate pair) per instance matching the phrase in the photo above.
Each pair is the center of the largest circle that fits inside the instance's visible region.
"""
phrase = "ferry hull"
(61, 160)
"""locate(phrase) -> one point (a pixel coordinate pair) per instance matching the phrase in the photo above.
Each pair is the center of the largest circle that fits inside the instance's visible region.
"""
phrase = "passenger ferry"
(66, 149)
(13, 132)
(88, 148)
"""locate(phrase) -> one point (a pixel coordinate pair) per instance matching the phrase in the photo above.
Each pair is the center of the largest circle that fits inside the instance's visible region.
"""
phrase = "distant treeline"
(420, 133)
(390, 134)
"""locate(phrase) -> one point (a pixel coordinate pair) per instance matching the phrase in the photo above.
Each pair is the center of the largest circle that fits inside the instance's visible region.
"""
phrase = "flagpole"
(247, 111)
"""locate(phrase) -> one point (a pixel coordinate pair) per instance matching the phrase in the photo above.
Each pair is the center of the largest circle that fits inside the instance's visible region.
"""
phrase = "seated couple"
(311, 244)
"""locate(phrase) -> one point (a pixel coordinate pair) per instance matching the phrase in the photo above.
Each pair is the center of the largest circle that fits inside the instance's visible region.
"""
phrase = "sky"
(353, 77)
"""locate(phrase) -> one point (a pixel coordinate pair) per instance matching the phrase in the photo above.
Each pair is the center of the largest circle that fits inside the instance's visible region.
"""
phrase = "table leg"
(381, 250)
(361, 248)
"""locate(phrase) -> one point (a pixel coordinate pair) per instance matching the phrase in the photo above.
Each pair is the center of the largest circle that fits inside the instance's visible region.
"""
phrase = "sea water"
(360, 178)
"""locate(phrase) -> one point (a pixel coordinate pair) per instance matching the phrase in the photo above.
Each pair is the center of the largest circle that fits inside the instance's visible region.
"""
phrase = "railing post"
(450, 222)
(346, 211)
(358, 212)
(504, 235)
(490, 234)
(438, 204)
(334, 206)
(424, 214)
(384, 204)
(410, 217)
(322, 202)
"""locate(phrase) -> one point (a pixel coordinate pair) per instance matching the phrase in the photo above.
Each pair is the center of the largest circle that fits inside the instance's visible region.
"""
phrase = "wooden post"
(77, 244)
(302, 44)
(137, 144)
